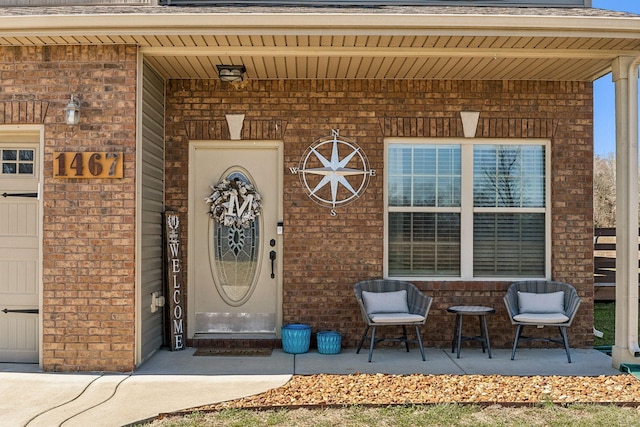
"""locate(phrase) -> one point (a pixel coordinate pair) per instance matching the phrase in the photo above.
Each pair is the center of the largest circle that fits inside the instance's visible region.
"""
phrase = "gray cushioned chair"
(541, 303)
(391, 303)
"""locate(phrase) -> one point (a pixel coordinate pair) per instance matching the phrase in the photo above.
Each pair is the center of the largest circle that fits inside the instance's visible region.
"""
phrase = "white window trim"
(467, 210)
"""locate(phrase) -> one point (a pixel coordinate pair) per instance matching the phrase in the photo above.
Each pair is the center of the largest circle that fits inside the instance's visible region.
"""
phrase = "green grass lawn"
(604, 314)
(450, 415)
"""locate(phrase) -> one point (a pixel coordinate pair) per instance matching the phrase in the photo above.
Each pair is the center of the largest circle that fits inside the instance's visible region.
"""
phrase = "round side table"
(471, 310)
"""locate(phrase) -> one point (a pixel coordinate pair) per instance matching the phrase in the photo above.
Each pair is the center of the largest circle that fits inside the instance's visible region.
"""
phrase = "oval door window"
(234, 254)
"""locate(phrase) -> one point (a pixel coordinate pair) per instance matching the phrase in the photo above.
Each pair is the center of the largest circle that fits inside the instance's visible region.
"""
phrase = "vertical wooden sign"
(174, 281)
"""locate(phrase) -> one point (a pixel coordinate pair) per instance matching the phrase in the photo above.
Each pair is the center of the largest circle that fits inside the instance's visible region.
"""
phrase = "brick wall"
(324, 255)
(89, 230)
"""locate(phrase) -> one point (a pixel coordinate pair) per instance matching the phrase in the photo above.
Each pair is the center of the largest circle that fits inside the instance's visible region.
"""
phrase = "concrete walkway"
(171, 381)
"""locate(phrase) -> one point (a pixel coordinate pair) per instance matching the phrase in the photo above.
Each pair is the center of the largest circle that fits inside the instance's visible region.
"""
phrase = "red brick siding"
(89, 230)
(324, 255)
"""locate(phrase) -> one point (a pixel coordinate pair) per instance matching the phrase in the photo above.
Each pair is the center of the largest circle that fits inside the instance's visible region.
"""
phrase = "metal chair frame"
(417, 302)
(571, 304)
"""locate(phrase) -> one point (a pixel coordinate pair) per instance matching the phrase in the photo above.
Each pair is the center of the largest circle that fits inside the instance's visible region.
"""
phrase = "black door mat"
(247, 352)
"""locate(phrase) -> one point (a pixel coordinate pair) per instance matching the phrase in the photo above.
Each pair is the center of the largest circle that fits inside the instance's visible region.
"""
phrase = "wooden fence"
(604, 271)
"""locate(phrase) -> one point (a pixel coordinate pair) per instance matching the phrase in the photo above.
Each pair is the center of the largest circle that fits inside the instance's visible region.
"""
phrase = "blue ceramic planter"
(329, 342)
(296, 338)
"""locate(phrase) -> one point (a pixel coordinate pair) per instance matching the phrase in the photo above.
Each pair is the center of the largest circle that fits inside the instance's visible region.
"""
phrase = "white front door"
(234, 270)
(19, 252)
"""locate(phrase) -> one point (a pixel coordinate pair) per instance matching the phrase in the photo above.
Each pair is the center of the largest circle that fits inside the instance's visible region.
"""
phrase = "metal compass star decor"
(334, 171)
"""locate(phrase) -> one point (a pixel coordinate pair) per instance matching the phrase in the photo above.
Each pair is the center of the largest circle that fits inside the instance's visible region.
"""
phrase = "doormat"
(249, 352)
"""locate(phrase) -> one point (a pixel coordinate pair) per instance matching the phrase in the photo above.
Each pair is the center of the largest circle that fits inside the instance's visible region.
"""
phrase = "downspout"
(632, 303)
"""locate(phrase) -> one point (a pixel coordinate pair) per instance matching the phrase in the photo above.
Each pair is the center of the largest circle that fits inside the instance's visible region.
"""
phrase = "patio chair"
(391, 303)
(541, 303)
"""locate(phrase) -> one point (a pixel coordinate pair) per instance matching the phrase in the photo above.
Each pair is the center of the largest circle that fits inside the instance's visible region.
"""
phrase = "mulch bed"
(381, 389)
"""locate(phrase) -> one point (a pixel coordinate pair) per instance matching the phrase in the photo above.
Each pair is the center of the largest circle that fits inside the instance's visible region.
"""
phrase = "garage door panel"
(19, 338)
(20, 248)
(19, 278)
(18, 218)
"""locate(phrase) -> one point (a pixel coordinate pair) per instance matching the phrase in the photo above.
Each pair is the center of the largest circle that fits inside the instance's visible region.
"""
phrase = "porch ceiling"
(388, 56)
(401, 43)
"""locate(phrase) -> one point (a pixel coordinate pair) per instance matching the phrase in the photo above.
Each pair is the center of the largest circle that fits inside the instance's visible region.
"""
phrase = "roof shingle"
(391, 10)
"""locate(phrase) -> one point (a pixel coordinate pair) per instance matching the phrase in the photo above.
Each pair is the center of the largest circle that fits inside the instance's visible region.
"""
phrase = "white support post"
(625, 77)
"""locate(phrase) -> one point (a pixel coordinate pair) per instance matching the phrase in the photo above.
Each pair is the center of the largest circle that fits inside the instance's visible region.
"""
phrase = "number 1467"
(87, 165)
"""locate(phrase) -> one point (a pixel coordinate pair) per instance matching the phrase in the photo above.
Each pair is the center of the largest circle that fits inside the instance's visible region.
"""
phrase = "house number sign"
(334, 171)
(90, 164)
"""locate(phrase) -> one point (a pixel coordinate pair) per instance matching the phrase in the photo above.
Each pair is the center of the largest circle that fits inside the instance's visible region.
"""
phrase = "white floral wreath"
(234, 203)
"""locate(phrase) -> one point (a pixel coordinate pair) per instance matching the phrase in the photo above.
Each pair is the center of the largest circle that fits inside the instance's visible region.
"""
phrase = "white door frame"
(192, 206)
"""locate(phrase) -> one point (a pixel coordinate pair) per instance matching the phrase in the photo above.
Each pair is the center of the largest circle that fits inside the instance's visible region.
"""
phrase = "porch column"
(625, 77)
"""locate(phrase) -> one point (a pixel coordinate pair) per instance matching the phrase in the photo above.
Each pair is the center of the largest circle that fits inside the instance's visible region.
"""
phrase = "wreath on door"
(234, 203)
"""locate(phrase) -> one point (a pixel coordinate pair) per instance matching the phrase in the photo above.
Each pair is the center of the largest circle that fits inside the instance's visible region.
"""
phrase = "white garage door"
(19, 252)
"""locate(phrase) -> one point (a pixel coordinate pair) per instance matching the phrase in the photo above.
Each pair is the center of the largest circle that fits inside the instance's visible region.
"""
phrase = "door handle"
(272, 257)
(26, 310)
(5, 194)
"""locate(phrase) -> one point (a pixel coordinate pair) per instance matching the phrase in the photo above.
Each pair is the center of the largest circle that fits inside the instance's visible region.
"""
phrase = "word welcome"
(174, 280)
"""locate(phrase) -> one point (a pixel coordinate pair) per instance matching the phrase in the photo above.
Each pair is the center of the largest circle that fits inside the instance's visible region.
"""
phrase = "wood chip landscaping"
(380, 389)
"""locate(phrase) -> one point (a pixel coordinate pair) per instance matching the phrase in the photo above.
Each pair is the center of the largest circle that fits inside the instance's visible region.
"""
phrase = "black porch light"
(231, 73)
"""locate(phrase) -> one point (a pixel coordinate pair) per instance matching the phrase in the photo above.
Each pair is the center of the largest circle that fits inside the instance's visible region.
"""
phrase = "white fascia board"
(318, 23)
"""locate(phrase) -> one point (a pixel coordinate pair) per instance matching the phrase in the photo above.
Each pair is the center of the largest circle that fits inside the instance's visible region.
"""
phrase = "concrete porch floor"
(171, 381)
(392, 360)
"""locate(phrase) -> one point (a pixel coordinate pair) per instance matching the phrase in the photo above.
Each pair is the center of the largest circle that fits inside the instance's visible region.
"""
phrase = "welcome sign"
(174, 281)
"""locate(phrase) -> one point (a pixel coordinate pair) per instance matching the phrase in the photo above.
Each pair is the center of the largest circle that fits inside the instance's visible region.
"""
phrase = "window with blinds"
(509, 210)
(466, 209)
(424, 210)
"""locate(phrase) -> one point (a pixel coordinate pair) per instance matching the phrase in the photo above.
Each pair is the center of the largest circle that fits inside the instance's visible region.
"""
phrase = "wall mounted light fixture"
(231, 73)
(72, 112)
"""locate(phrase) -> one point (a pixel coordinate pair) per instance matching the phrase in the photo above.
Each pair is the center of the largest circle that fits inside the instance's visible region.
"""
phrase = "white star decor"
(321, 165)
